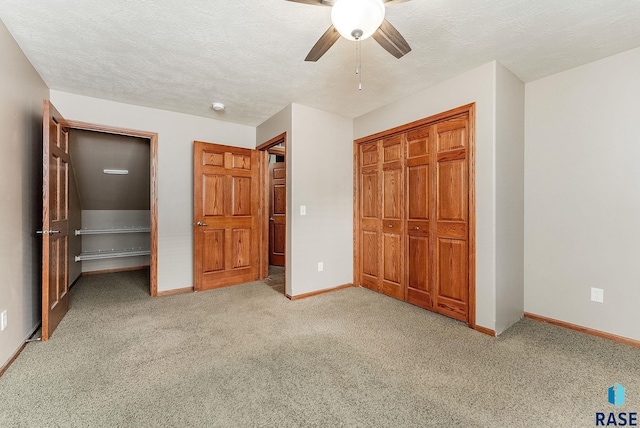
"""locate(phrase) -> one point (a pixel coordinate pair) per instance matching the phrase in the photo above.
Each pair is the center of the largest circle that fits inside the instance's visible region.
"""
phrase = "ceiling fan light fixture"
(357, 19)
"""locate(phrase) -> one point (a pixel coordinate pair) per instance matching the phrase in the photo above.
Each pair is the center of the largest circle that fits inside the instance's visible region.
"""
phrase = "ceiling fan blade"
(394, 1)
(315, 2)
(391, 40)
(323, 44)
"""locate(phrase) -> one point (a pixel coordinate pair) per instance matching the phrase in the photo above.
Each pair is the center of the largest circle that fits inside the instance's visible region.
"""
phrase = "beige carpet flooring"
(246, 356)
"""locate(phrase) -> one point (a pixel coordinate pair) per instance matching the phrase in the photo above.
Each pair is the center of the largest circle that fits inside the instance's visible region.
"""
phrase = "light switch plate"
(303, 210)
(3, 320)
(320, 266)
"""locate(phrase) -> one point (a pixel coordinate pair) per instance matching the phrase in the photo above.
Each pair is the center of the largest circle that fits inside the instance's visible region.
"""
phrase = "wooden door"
(451, 213)
(418, 213)
(369, 215)
(226, 223)
(414, 213)
(55, 220)
(392, 238)
(277, 213)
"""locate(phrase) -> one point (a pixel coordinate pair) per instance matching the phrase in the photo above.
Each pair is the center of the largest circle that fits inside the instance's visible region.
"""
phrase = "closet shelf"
(112, 254)
(113, 230)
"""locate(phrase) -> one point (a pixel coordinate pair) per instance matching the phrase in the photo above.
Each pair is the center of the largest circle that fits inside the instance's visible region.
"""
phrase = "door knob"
(417, 228)
(201, 224)
(272, 219)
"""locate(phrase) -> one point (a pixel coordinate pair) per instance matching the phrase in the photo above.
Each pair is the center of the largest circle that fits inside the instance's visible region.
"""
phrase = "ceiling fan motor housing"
(357, 19)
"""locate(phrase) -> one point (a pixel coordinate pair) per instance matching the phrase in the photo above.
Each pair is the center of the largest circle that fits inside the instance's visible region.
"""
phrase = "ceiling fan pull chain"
(357, 56)
(359, 62)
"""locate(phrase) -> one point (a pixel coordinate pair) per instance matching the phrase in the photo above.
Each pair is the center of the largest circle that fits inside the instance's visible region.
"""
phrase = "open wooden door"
(55, 219)
(226, 202)
(277, 213)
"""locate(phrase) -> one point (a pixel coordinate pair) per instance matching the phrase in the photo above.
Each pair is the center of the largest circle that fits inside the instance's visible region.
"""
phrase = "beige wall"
(270, 128)
(21, 94)
(320, 177)
(582, 195)
(477, 86)
(509, 198)
(322, 180)
(176, 133)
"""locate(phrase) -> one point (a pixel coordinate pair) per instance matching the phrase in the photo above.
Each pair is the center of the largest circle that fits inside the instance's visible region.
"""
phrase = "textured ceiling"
(249, 54)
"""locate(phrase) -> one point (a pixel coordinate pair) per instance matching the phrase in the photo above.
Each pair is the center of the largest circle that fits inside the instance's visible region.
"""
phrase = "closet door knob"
(390, 225)
(201, 224)
(417, 228)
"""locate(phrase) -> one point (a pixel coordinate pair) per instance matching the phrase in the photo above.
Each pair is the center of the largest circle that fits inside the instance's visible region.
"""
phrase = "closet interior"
(109, 203)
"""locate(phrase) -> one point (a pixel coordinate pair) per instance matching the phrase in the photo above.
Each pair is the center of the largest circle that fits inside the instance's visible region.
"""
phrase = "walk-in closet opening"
(109, 203)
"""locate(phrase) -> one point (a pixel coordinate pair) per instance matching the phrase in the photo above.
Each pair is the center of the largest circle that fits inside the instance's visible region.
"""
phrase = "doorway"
(274, 201)
(131, 138)
(56, 224)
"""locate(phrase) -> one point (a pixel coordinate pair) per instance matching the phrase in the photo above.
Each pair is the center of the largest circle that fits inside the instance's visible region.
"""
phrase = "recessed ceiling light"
(218, 106)
(116, 171)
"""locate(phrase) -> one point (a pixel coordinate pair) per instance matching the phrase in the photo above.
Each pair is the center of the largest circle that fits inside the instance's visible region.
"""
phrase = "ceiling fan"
(357, 20)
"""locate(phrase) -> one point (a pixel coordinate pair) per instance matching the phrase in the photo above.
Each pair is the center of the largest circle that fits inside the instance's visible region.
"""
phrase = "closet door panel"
(451, 223)
(452, 284)
(370, 215)
(417, 192)
(392, 279)
(392, 205)
(418, 204)
(370, 245)
(452, 195)
(369, 194)
(392, 215)
(418, 143)
(369, 155)
(392, 149)
(419, 272)
(452, 134)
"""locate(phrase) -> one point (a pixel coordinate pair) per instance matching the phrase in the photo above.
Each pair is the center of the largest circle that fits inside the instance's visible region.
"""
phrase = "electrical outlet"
(597, 295)
(303, 210)
(320, 266)
(3, 320)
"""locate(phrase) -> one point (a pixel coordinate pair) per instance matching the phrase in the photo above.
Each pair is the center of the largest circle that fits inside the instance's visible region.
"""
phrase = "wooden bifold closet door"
(413, 191)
